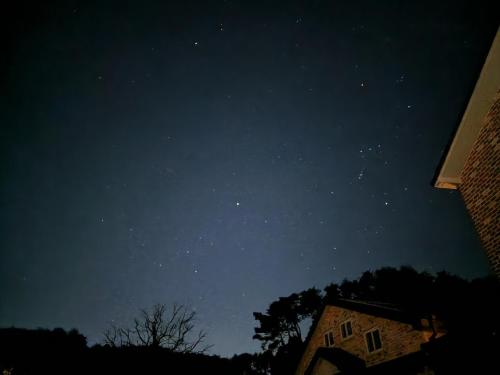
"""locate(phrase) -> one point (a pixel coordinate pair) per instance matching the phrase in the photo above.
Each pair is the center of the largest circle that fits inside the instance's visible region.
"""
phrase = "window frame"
(370, 332)
(328, 338)
(344, 325)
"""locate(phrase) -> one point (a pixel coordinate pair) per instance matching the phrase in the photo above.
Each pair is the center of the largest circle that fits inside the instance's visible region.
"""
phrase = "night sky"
(222, 154)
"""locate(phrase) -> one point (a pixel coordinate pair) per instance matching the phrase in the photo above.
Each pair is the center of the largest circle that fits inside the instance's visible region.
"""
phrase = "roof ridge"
(385, 305)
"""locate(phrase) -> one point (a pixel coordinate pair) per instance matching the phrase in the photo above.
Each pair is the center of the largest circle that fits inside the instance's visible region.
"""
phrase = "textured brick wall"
(480, 186)
(397, 338)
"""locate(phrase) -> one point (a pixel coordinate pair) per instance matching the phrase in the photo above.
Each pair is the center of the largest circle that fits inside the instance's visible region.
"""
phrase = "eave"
(483, 96)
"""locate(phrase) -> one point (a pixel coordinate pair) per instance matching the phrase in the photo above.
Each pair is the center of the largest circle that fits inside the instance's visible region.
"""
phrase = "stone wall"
(398, 338)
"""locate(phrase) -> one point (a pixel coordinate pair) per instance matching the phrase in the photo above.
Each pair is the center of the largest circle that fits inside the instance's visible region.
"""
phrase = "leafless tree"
(117, 336)
(174, 330)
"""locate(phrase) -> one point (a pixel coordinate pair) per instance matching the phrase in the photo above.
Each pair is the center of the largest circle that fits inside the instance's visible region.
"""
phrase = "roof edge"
(364, 307)
(480, 102)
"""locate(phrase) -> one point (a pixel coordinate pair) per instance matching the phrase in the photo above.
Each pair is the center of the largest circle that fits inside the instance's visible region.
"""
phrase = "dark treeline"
(56, 351)
(469, 310)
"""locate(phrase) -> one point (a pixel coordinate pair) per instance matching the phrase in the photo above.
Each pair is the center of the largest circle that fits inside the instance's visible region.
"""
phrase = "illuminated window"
(373, 341)
(329, 339)
(346, 329)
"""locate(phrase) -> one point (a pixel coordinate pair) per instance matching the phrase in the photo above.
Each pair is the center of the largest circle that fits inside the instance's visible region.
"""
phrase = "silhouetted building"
(472, 164)
(357, 337)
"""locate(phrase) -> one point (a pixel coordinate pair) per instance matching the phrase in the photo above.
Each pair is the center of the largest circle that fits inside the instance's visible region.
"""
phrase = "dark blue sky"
(222, 154)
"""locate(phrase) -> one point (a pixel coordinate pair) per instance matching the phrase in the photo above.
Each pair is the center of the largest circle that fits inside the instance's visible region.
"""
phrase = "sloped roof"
(344, 361)
(374, 308)
(411, 363)
(381, 309)
(349, 363)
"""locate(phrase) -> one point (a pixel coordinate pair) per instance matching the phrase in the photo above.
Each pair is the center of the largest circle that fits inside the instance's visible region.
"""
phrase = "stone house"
(472, 163)
(357, 337)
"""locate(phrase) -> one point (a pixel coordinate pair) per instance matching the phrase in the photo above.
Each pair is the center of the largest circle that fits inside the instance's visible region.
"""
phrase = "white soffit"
(479, 105)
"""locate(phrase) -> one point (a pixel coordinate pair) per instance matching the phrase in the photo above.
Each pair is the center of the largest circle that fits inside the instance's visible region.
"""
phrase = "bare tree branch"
(174, 330)
(111, 336)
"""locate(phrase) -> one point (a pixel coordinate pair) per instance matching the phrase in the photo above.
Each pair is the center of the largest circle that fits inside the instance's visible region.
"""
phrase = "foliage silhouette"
(57, 352)
(281, 323)
(468, 310)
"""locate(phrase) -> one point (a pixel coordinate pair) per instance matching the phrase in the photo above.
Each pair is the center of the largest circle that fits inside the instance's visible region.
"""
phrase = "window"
(329, 339)
(373, 341)
(346, 329)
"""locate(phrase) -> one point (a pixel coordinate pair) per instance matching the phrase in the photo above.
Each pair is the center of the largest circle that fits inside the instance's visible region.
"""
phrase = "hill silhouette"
(467, 308)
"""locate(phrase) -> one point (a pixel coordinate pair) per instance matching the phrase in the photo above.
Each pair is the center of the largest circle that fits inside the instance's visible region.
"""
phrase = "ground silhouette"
(469, 310)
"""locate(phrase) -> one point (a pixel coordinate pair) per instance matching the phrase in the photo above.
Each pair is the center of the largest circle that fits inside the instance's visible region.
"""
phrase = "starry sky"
(221, 154)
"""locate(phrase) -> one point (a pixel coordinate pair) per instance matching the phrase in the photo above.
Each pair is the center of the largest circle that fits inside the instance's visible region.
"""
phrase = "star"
(195, 129)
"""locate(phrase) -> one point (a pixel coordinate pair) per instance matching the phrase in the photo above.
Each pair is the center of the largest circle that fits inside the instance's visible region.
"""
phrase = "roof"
(380, 309)
(411, 363)
(344, 361)
(375, 308)
(348, 363)
(479, 105)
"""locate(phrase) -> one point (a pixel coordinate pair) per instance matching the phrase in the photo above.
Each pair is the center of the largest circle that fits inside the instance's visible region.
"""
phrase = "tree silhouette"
(174, 330)
(281, 322)
(467, 309)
